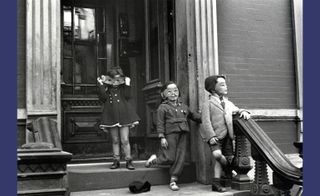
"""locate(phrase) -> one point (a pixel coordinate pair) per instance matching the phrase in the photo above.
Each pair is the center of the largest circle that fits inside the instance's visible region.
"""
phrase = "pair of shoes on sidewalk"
(151, 160)
(116, 164)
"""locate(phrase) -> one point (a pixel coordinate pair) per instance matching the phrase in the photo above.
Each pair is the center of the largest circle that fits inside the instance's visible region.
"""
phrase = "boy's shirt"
(173, 118)
(216, 120)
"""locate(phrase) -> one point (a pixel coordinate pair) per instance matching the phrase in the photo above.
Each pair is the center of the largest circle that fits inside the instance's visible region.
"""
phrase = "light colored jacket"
(216, 121)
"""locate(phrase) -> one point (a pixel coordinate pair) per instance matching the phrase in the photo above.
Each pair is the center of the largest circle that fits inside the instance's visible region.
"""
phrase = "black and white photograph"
(159, 97)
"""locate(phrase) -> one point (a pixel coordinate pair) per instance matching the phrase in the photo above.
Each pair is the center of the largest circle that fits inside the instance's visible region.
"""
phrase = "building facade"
(64, 45)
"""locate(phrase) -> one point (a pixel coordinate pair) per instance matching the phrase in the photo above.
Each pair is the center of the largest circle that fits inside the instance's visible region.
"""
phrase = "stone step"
(160, 190)
(97, 176)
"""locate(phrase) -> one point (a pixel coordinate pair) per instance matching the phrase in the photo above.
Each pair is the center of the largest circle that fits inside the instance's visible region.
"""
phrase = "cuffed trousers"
(175, 154)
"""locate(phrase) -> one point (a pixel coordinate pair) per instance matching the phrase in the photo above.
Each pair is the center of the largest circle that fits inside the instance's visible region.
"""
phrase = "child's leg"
(227, 151)
(221, 161)
(168, 156)
(115, 143)
(124, 135)
(218, 156)
(177, 166)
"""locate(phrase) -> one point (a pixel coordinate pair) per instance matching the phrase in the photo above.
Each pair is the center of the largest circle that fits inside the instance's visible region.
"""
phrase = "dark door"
(160, 63)
(88, 51)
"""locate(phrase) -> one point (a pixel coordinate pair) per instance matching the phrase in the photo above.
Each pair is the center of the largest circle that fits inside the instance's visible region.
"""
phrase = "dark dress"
(117, 111)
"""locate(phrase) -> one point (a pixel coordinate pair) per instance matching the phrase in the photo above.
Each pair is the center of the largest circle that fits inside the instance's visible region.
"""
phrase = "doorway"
(98, 34)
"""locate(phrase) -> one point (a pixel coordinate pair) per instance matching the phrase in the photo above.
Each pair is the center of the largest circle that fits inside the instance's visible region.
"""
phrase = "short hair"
(211, 81)
(115, 71)
(165, 86)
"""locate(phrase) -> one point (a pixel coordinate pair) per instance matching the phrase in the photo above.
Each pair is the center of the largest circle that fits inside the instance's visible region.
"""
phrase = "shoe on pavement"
(129, 165)
(173, 186)
(115, 164)
(218, 188)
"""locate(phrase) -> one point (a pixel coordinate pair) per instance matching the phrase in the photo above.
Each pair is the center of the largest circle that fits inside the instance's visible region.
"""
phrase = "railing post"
(261, 184)
(241, 163)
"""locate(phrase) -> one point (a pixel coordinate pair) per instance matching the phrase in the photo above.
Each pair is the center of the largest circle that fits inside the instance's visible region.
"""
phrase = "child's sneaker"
(173, 186)
(150, 160)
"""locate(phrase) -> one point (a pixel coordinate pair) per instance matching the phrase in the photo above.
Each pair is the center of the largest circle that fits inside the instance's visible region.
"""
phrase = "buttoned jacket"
(216, 121)
(117, 109)
(174, 118)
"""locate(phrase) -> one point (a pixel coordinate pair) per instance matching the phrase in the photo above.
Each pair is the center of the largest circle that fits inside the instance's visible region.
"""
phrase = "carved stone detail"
(42, 167)
(261, 184)
(241, 163)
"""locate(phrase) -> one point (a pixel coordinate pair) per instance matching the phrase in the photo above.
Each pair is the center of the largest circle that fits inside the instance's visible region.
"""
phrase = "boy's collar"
(216, 96)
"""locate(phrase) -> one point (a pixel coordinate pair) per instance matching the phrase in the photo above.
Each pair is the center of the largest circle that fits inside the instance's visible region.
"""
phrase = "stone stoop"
(97, 176)
(163, 190)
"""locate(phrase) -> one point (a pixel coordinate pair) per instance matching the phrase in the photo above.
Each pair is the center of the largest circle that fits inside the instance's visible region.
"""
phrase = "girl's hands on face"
(127, 81)
(164, 143)
(100, 81)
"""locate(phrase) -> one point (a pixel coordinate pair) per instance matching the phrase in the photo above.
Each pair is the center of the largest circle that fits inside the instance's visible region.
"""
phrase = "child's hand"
(245, 115)
(100, 81)
(127, 81)
(164, 143)
(213, 140)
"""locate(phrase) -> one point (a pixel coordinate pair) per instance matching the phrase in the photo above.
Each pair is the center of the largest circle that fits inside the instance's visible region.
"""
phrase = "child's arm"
(194, 116)
(206, 130)
(242, 112)
(161, 126)
(161, 121)
(127, 88)
(102, 92)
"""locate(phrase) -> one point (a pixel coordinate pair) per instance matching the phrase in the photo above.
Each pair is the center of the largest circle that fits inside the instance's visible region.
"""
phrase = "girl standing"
(118, 116)
(172, 129)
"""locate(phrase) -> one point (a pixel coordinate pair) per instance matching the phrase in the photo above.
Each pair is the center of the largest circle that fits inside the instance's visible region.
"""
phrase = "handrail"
(275, 158)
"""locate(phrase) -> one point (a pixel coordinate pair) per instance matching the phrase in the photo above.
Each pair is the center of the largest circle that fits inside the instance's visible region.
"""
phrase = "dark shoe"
(216, 186)
(115, 164)
(129, 165)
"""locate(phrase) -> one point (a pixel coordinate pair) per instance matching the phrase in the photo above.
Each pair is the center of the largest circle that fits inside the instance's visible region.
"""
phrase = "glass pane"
(67, 31)
(67, 19)
(67, 71)
(153, 39)
(85, 69)
(84, 24)
(102, 53)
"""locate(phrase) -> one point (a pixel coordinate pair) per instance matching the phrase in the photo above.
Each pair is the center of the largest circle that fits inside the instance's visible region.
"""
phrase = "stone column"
(43, 45)
(202, 60)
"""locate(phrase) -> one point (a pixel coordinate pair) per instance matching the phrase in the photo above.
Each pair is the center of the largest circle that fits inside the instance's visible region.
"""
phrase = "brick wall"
(255, 40)
(256, 52)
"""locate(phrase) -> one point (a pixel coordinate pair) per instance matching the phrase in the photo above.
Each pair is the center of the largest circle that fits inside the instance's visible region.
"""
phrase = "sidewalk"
(185, 189)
